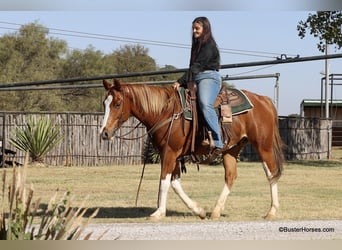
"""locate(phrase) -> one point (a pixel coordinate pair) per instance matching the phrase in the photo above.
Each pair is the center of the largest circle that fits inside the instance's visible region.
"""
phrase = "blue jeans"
(208, 86)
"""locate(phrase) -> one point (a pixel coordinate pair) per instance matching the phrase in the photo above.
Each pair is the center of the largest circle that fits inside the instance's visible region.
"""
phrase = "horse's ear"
(117, 84)
(107, 85)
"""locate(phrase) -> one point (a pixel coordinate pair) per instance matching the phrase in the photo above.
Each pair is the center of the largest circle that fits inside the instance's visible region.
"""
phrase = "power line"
(251, 71)
(164, 72)
(73, 33)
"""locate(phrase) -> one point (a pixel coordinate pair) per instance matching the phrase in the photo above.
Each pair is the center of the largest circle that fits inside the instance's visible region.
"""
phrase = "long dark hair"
(206, 37)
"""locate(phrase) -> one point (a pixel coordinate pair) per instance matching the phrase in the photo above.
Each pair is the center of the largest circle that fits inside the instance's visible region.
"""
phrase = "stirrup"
(212, 156)
(205, 143)
(211, 141)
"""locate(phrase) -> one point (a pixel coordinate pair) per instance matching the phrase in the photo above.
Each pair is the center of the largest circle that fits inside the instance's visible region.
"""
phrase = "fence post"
(68, 161)
(3, 145)
(329, 127)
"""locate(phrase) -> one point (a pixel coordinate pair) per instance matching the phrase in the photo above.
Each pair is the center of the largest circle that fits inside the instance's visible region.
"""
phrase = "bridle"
(159, 124)
(152, 130)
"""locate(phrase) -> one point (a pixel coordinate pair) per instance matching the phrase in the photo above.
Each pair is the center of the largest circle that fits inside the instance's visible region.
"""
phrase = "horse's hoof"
(216, 213)
(269, 217)
(202, 214)
(156, 216)
(214, 216)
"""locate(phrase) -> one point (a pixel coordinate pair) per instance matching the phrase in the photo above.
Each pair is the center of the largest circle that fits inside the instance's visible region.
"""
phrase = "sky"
(242, 36)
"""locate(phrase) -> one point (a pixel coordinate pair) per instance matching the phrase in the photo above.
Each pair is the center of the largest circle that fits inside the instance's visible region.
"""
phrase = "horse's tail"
(278, 154)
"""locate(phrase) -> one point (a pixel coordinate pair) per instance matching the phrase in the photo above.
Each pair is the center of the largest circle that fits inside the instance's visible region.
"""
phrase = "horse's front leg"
(168, 162)
(164, 186)
(177, 187)
(174, 179)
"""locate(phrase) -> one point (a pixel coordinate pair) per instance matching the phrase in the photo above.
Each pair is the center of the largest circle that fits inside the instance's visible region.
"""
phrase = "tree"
(168, 77)
(92, 62)
(326, 25)
(84, 63)
(29, 55)
(133, 58)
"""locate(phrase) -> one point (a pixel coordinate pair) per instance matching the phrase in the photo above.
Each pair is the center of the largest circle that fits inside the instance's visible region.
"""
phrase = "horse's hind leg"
(177, 187)
(274, 193)
(270, 168)
(229, 162)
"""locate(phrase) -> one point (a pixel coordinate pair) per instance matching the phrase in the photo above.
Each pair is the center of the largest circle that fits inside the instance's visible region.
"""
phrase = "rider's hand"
(176, 85)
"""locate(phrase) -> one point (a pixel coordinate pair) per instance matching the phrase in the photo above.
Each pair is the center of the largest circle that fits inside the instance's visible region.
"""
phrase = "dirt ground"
(211, 230)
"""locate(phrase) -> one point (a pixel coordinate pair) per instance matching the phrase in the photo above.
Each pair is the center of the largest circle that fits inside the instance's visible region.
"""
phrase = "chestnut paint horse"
(159, 109)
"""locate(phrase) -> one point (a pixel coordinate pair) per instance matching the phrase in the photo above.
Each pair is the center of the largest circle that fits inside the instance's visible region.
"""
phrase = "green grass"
(307, 190)
(337, 154)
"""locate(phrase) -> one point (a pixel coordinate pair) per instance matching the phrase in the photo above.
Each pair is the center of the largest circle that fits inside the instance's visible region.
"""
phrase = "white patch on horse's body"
(107, 103)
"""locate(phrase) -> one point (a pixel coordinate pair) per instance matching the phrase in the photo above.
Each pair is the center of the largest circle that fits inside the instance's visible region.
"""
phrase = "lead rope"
(143, 171)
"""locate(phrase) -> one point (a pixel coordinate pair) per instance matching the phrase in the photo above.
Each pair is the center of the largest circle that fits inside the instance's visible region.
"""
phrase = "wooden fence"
(337, 133)
(305, 138)
(81, 145)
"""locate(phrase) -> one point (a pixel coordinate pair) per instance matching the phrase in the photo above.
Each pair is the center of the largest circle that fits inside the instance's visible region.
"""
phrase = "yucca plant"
(37, 138)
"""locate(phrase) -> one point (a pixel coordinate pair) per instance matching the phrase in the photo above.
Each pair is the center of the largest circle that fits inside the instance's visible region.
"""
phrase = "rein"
(122, 137)
(154, 128)
(150, 132)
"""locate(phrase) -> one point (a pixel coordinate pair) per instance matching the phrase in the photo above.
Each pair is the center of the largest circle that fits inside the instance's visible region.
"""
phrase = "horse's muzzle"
(107, 134)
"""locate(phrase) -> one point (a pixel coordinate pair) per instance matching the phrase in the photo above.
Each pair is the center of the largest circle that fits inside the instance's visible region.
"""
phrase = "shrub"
(37, 138)
(59, 220)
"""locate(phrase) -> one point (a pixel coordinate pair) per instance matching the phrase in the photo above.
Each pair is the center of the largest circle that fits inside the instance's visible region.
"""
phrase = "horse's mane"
(151, 98)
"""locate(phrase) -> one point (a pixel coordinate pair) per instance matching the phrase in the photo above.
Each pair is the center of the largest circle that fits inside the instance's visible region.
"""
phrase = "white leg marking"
(274, 196)
(267, 171)
(274, 193)
(164, 188)
(220, 202)
(274, 203)
(107, 103)
(177, 187)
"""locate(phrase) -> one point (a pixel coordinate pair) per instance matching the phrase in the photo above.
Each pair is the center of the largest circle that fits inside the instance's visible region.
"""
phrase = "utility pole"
(326, 81)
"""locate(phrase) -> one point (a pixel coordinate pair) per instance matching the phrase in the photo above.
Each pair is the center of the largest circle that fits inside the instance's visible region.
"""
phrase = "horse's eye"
(117, 105)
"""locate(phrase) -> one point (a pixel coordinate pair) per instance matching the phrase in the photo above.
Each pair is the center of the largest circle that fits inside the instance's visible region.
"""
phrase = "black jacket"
(208, 58)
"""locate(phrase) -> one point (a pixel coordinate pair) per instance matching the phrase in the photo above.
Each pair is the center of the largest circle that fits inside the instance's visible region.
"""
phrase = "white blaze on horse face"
(107, 103)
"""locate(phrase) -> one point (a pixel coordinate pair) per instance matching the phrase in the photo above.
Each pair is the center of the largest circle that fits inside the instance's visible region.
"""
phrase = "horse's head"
(116, 109)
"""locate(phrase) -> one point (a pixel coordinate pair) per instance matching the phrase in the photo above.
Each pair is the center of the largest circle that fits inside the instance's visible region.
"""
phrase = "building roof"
(317, 102)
